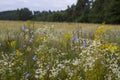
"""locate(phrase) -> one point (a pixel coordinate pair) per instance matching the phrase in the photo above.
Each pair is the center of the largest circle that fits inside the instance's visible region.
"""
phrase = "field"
(59, 51)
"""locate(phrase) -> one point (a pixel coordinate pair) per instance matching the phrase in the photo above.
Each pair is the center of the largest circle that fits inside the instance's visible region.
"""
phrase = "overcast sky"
(36, 4)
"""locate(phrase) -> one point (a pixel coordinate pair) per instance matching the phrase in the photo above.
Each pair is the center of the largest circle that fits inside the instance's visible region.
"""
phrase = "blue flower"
(24, 28)
(14, 51)
(30, 40)
(76, 39)
(27, 75)
(35, 58)
(84, 43)
(47, 67)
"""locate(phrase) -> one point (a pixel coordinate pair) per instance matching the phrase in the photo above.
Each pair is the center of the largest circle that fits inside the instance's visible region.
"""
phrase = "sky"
(36, 5)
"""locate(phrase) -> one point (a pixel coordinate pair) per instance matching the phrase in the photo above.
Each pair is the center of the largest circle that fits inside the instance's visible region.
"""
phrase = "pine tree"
(112, 11)
(97, 12)
(81, 10)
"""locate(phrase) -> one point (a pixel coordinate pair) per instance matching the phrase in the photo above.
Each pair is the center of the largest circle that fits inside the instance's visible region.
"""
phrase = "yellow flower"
(99, 33)
(18, 52)
(45, 38)
(67, 36)
(103, 46)
(12, 44)
(112, 47)
(38, 40)
(97, 39)
(109, 47)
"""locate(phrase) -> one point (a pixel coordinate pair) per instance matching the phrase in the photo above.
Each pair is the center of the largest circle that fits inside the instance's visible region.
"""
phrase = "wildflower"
(76, 39)
(30, 40)
(112, 48)
(38, 40)
(24, 28)
(14, 51)
(45, 38)
(84, 43)
(35, 58)
(27, 75)
(47, 67)
(24, 45)
(12, 44)
(97, 39)
(17, 52)
(36, 76)
(67, 36)
(75, 52)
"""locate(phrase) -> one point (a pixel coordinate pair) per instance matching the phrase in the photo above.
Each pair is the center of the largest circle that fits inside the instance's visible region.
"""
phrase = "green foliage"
(9, 15)
(112, 12)
(97, 11)
(25, 14)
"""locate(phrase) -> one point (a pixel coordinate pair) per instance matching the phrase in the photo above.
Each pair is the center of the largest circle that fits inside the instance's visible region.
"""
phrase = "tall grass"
(59, 51)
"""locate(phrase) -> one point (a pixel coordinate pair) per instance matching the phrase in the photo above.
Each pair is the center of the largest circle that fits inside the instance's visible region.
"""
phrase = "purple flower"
(30, 40)
(24, 28)
(24, 45)
(75, 39)
(75, 52)
(27, 75)
(84, 43)
(47, 67)
(14, 51)
(35, 58)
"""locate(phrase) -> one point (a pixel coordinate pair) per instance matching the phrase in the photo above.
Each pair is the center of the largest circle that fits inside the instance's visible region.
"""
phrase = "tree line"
(87, 11)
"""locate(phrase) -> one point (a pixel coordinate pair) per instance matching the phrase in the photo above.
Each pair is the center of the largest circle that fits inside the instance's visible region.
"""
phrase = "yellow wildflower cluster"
(110, 47)
(67, 36)
(41, 38)
(12, 44)
(18, 52)
(38, 40)
(99, 33)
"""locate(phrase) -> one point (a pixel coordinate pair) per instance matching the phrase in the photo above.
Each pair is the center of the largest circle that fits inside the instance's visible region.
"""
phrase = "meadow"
(59, 51)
